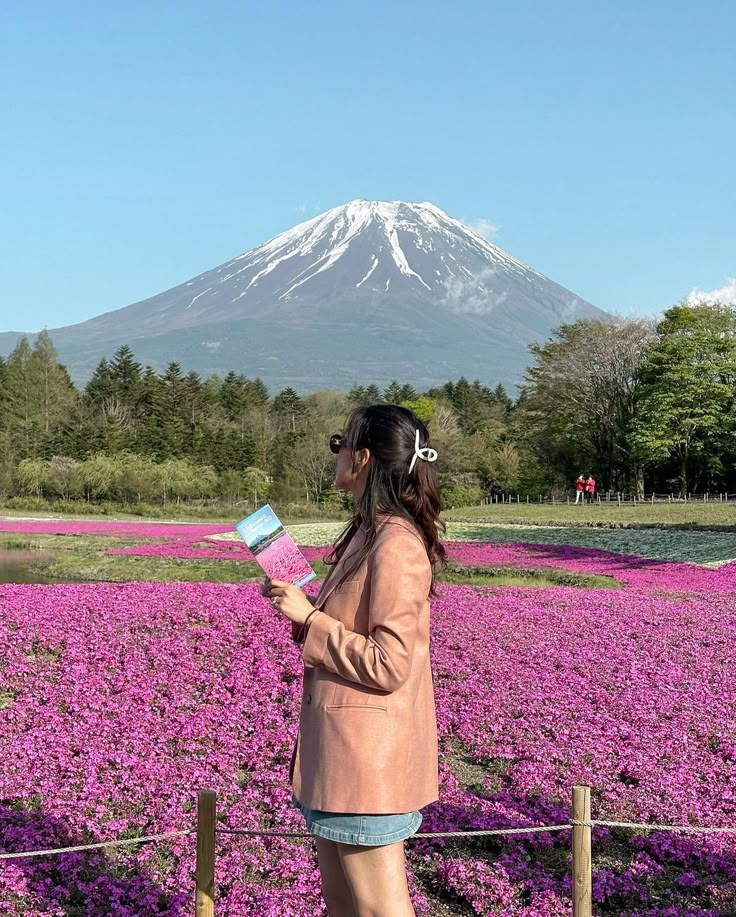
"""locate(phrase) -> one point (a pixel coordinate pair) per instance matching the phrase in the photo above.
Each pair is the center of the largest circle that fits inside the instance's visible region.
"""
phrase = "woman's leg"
(377, 879)
(335, 888)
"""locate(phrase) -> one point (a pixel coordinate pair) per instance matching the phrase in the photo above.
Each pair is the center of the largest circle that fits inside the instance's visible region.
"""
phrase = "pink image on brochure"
(283, 560)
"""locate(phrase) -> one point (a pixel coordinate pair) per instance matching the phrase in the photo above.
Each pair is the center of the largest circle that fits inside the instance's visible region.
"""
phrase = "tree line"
(643, 405)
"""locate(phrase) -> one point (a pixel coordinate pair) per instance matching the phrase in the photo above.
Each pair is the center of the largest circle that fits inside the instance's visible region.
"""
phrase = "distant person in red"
(590, 488)
(580, 489)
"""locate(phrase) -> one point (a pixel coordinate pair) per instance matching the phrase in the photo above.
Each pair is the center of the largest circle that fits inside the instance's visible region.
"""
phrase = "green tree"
(316, 466)
(467, 402)
(500, 468)
(125, 373)
(112, 402)
(577, 403)
(361, 396)
(3, 391)
(169, 413)
(685, 406)
(502, 398)
(423, 407)
(20, 414)
(139, 478)
(32, 475)
(393, 393)
(357, 396)
(235, 396)
(258, 392)
(38, 397)
(148, 434)
(257, 484)
(100, 476)
(231, 486)
(288, 406)
(64, 477)
(55, 394)
(101, 384)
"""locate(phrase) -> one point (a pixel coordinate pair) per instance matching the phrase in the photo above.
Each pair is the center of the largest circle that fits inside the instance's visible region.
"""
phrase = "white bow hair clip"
(429, 455)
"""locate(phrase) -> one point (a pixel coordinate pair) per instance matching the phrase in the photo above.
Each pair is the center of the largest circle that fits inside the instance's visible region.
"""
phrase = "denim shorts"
(364, 830)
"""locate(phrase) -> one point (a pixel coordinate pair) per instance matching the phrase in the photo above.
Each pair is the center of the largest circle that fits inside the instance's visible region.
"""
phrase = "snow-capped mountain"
(366, 292)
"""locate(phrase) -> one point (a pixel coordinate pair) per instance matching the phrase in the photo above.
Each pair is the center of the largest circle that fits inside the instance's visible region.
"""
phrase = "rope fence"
(609, 498)
(580, 824)
(119, 843)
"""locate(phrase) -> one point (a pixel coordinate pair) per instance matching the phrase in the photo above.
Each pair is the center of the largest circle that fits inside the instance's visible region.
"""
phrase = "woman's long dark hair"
(389, 432)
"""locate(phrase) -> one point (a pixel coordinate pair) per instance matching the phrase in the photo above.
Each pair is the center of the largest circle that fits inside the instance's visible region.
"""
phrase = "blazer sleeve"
(400, 580)
(296, 629)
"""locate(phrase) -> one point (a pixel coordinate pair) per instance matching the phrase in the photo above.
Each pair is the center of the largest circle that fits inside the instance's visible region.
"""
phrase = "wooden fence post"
(582, 869)
(205, 870)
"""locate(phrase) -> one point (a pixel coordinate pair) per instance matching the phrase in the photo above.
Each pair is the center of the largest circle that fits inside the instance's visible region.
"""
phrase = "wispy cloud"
(570, 309)
(308, 207)
(474, 295)
(725, 294)
(484, 227)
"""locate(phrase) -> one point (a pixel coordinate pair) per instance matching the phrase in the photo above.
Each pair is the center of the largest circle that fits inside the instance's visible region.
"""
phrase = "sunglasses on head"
(337, 441)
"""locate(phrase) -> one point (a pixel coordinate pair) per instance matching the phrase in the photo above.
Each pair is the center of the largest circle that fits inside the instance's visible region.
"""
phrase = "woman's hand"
(291, 601)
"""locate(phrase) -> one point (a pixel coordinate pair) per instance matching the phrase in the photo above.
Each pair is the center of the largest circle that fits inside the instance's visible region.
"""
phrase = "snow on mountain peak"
(392, 240)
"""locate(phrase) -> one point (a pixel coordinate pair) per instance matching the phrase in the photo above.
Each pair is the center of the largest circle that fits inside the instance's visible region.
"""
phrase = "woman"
(590, 488)
(365, 759)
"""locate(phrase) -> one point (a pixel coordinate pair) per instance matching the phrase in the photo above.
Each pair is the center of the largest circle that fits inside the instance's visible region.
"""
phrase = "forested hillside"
(638, 405)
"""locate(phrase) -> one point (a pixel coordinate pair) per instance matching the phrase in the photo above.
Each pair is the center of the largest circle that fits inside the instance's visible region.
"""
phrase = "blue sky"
(146, 142)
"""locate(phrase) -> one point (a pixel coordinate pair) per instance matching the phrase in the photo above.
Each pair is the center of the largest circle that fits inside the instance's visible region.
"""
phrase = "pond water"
(16, 566)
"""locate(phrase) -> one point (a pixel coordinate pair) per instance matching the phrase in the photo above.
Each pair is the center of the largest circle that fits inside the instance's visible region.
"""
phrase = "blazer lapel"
(333, 576)
(327, 587)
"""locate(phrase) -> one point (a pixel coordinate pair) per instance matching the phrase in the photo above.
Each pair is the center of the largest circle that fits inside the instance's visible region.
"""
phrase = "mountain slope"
(367, 292)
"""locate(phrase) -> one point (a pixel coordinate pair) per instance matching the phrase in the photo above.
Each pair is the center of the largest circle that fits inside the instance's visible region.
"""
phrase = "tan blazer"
(367, 740)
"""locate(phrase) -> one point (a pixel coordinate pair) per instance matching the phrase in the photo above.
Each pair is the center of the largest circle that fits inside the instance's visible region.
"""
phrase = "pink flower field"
(197, 548)
(637, 572)
(119, 702)
(187, 531)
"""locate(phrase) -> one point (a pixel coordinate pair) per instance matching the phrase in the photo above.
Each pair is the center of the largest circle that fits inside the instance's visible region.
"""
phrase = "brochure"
(273, 547)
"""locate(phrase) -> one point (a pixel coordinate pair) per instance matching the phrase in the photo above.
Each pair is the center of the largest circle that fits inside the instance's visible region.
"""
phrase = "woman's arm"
(400, 580)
